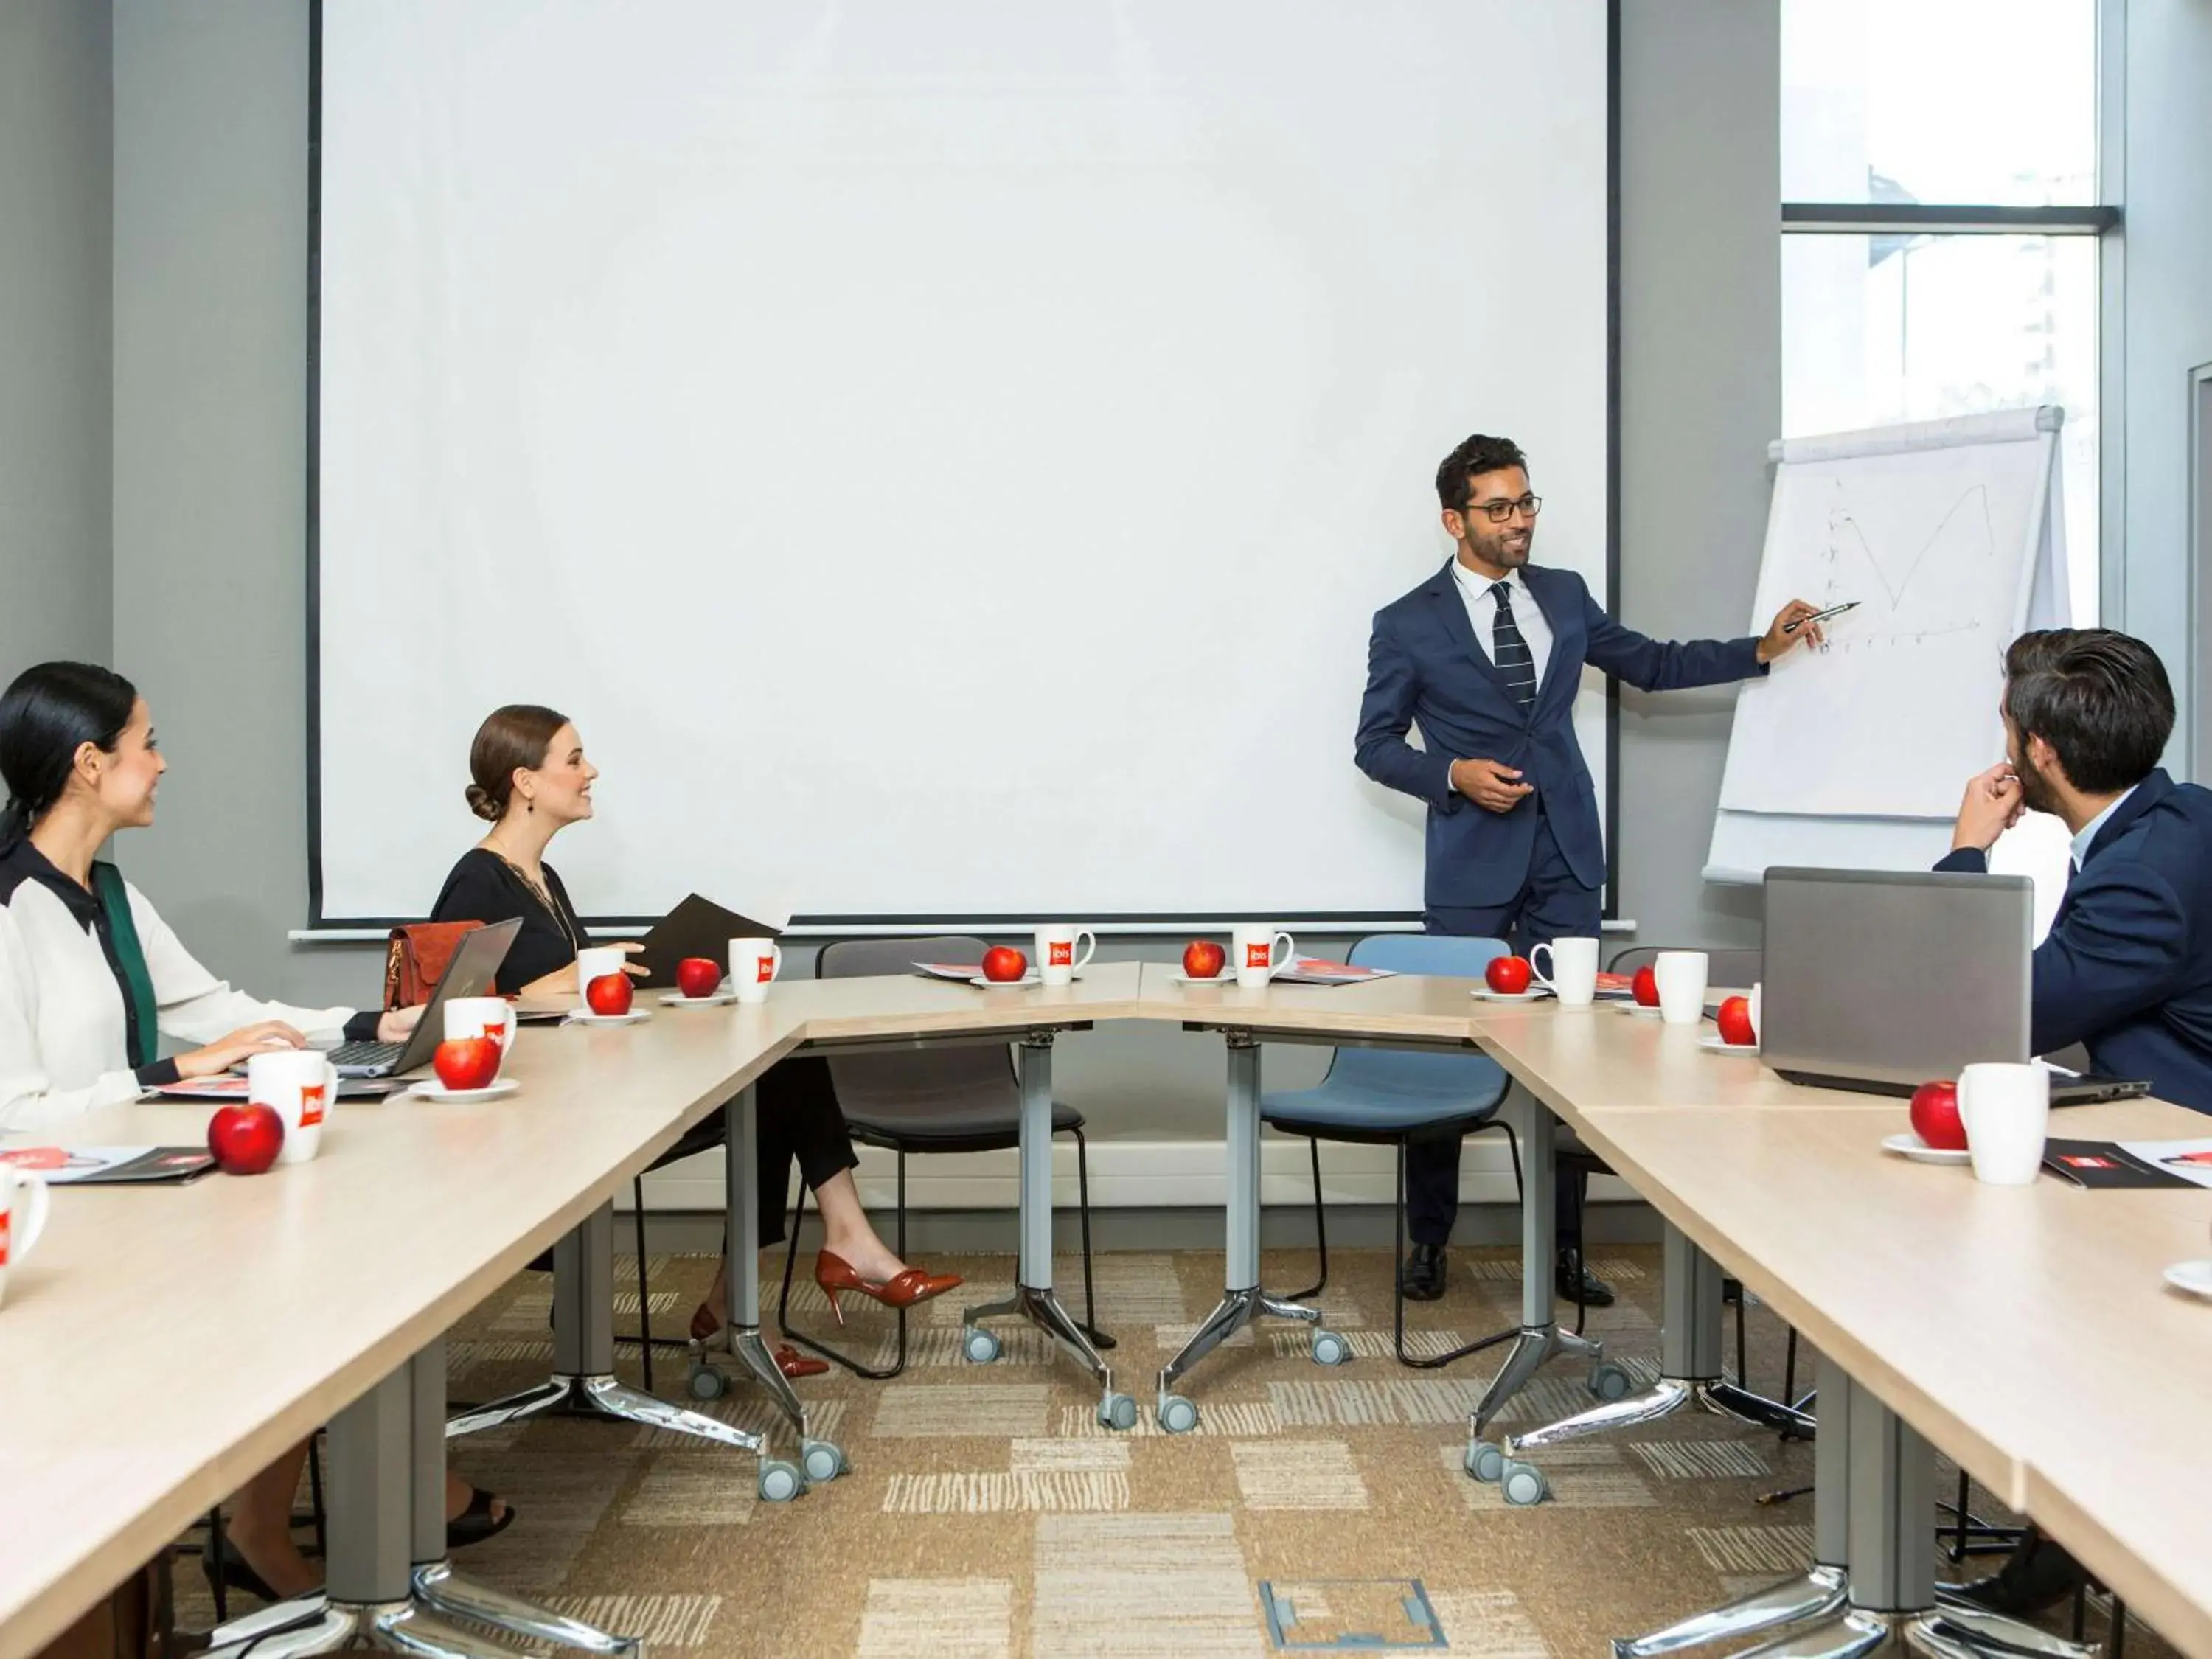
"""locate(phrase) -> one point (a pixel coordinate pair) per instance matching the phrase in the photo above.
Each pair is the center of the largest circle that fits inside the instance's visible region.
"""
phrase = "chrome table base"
(1034, 1298)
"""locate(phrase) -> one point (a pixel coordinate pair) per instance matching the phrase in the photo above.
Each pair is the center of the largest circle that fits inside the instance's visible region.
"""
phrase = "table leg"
(1541, 1338)
(370, 1598)
(1243, 1301)
(1034, 1297)
(583, 1383)
(1690, 1370)
(1871, 1587)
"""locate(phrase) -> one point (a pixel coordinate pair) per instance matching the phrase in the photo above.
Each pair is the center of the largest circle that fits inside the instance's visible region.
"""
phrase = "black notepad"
(2098, 1164)
(115, 1166)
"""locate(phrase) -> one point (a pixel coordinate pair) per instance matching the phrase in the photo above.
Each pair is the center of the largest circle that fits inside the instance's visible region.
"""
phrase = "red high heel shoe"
(705, 1324)
(834, 1273)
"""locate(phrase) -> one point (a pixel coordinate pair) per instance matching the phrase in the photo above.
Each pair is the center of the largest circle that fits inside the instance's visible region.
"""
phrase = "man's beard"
(2035, 790)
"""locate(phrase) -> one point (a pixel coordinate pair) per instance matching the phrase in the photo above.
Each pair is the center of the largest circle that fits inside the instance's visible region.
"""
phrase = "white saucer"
(678, 1000)
(1911, 1145)
(1022, 983)
(585, 1017)
(433, 1089)
(1226, 976)
(1534, 993)
(1639, 1010)
(1714, 1045)
(2194, 1277)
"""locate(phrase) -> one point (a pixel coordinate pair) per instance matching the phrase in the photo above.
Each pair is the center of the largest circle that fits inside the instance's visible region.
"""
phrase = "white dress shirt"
(2089, 830)
(1482, 613)
(64, 1044)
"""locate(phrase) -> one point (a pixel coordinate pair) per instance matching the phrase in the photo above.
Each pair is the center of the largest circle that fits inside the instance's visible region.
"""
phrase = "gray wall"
(1701, 399)
(2167, 259)
(55, 122)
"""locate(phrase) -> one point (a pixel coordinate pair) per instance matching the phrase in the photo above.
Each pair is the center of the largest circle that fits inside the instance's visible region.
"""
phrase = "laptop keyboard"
(364, 1055)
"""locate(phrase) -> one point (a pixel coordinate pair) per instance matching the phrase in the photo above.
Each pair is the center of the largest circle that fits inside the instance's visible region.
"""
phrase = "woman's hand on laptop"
(245, 1043)
(397, 1024)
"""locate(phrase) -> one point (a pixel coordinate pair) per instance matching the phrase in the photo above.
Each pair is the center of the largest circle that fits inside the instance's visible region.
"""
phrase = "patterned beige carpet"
(986, 1513)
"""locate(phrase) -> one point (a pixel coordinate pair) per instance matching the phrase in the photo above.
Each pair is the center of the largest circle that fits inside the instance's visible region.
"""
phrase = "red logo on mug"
(497, 1034)
(764, 970)
(311, 1106)
(1060, 953)
(1259, 956)
(3, 1238)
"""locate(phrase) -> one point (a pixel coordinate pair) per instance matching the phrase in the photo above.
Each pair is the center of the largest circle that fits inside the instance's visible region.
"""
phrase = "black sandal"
(477, 1522)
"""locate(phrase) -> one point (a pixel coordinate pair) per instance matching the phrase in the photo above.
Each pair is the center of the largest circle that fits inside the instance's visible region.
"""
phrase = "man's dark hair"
(2100, 699)
(1478, 454)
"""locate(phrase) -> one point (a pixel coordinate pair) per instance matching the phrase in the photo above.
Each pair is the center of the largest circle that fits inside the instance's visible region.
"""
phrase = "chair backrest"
(1729, 968)
(1475, 1080)
(415, 959)
(916, 1083)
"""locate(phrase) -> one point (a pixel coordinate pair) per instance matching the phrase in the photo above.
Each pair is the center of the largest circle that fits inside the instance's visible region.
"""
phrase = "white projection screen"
(943, 454)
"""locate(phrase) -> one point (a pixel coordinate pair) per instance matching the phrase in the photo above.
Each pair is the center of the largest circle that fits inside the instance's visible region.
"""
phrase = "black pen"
(1821, 616)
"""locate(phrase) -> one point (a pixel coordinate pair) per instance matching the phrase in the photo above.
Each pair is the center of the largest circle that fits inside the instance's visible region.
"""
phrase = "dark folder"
(697, 927)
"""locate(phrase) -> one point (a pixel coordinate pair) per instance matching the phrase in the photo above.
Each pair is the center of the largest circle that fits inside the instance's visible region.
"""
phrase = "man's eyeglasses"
(1499, 511)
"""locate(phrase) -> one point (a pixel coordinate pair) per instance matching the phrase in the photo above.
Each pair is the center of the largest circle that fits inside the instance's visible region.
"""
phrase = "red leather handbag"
(414, 959)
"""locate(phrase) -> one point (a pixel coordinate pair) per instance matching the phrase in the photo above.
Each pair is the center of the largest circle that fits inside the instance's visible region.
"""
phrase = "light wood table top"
(1406, 1005)
(2024, 1330)
(274, 1302)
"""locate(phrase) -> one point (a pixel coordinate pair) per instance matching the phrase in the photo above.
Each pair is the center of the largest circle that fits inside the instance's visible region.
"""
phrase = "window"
(1941, 224)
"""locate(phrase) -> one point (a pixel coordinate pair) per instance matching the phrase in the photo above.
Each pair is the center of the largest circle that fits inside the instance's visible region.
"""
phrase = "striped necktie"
(1510, 651)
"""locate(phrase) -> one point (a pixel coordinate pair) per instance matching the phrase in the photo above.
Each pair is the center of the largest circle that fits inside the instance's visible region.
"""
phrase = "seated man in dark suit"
(2127, 967)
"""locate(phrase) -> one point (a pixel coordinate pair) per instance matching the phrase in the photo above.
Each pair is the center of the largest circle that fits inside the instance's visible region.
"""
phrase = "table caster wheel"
(780, 1482)
(1524, 1484)
(1176, 1415)
(1329, 1348)
(1608, 1381)
(979, 1345)
(822, 1460)
(706, 1383)
(1485, 1462)
(1118, 1411)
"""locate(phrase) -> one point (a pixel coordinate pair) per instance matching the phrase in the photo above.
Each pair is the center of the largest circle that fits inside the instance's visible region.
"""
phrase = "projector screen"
(944, 455)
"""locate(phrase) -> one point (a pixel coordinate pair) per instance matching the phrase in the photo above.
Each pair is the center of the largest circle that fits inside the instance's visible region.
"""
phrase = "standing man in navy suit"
(1486, 658)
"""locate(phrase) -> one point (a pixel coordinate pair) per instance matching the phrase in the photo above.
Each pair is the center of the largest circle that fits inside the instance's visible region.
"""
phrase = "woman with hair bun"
(529, 780)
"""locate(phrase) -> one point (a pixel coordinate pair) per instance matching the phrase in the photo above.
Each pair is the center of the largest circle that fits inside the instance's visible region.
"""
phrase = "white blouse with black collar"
(65, 1020)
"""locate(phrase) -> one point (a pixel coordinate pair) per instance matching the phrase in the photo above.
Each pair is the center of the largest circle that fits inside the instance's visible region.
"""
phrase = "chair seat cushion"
(1306, 1110)
(976, 1129)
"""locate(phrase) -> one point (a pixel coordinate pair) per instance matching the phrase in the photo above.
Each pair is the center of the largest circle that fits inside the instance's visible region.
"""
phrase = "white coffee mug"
(23, 1204)
(754, 964)
(1252, 950)
(2006, 1109)
(1572, 974)
(596, 962)
(1057, 958)
(1755, 1026)
(482, 1017)
(300, 1087)
(1681, 976)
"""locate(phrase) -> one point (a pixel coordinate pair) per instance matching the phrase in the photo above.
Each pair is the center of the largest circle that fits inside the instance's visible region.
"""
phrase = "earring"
(529, 804)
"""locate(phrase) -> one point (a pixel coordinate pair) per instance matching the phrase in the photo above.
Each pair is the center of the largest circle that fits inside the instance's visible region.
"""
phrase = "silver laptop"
(1881, 980)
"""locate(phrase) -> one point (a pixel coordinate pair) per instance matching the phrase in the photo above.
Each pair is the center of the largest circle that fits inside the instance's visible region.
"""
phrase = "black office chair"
(931, 1100)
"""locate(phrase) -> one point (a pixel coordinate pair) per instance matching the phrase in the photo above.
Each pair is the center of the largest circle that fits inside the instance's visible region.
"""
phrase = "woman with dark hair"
(90, 980)
(530, 780)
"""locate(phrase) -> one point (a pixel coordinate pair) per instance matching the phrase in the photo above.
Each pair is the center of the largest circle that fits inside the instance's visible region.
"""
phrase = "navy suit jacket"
(1426, 668)
(2127, 967)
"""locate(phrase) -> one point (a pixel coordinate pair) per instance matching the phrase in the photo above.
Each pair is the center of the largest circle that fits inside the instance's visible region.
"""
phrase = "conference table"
(1997, 1323)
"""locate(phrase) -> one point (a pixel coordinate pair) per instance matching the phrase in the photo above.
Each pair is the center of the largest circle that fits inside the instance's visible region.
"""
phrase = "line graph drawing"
(1966, 524)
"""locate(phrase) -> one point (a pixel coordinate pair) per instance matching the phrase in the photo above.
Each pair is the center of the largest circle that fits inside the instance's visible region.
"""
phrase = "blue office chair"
(1388, 1098)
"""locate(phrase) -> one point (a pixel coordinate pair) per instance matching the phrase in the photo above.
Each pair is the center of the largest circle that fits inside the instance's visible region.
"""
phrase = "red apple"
(698, 976)
(1508, 976)
(466, 1062)
(1203, 959)
(1646, 987)
(608, 994)
(1736, 1023)
(1935, 1116)
(245, 1137)
(1003, 964)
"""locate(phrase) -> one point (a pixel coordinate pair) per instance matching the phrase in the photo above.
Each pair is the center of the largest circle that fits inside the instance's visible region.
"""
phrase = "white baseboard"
(1128, 1175)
